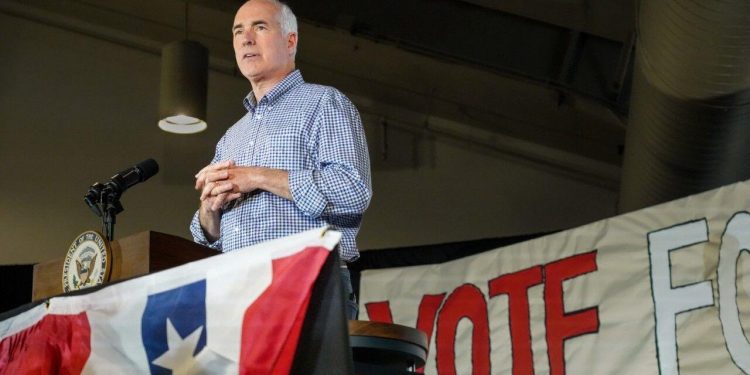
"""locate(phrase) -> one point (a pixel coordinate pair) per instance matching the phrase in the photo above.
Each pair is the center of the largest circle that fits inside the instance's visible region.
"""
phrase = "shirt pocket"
(284, 148)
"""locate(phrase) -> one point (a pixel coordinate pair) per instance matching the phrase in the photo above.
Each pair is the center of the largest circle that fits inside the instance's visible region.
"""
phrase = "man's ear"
(291, 42)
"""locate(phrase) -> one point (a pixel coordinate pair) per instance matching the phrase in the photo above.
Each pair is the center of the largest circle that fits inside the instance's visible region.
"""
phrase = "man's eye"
(237, 32)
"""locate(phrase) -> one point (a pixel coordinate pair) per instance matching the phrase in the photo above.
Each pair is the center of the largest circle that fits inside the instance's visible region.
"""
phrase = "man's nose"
(248, 38)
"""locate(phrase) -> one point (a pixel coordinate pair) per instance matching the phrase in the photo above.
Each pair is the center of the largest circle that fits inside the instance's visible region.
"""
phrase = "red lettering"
(516, 286)
(379, 312)
(561, 326)
(466, 301)
(426, 317)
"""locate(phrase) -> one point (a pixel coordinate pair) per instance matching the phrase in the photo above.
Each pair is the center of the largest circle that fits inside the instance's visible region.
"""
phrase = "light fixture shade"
(184, 77)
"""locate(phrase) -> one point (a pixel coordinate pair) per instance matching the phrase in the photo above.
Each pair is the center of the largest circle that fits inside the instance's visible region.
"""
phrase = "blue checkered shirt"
(314, 132)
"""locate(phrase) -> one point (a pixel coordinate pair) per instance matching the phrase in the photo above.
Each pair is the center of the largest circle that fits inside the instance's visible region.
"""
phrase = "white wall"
(75, 110)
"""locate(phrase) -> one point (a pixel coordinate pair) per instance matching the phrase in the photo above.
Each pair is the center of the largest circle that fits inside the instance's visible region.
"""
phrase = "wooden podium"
(135, 255)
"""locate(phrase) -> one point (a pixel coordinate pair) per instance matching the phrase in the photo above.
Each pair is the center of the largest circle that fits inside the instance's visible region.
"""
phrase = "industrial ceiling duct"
(689, 126)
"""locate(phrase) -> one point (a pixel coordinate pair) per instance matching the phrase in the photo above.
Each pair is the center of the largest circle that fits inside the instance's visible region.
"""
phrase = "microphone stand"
(104, 201)
(111, 206)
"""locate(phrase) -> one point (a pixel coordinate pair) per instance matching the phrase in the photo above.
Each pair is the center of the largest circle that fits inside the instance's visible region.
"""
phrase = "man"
(296, 161)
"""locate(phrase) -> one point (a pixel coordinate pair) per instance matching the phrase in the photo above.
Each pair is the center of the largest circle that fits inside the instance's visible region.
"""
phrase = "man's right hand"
(210, 209)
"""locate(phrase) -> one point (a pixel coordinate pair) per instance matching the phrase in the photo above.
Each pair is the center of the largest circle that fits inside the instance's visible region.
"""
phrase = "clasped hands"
(224, 182)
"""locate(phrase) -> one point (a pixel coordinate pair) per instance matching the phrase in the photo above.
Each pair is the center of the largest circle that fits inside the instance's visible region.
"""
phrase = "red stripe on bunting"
(272, 324)
(57, 344)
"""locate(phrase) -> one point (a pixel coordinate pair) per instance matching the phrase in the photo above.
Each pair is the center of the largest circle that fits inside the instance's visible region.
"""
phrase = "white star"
(179, 358)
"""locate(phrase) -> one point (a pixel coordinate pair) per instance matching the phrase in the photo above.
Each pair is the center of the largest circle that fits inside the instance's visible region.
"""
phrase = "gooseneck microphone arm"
(104, 199)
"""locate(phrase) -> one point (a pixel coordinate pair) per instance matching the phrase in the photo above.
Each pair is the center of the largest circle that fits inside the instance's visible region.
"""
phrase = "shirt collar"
(290, 81)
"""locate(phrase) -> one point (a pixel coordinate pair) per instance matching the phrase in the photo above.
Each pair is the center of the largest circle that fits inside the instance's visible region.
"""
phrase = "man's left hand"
(249, 179)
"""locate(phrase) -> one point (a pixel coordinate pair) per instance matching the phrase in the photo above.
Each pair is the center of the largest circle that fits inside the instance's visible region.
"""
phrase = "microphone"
(119, 183)
(104, 199)
(133, 176)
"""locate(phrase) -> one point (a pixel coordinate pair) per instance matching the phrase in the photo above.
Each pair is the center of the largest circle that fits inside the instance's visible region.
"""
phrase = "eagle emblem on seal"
(87, 263)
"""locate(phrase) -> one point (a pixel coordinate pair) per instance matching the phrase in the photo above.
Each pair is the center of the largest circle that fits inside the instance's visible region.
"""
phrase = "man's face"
(262, 50)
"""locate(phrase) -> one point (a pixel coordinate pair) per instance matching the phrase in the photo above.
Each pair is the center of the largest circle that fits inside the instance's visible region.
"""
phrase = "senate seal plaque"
(88, 262)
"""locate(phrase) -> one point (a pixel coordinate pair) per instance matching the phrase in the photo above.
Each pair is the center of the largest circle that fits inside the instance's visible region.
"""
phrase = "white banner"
(664, 290)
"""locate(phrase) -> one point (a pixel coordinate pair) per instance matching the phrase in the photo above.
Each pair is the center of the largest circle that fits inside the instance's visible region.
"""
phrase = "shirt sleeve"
(340, 184)
(195, 225)
(200, 237)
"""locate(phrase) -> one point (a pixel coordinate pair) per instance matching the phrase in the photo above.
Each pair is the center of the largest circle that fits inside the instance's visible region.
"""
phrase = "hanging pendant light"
(184, 78)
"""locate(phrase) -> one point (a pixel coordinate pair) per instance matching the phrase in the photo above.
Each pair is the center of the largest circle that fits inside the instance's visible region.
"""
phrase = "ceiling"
(546, 81)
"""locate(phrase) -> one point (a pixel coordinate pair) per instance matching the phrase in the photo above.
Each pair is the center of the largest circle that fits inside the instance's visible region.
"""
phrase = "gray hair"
(287, 20)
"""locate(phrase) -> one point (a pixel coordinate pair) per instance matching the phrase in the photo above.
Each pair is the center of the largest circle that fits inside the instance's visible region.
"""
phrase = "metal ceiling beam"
(611, 19)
